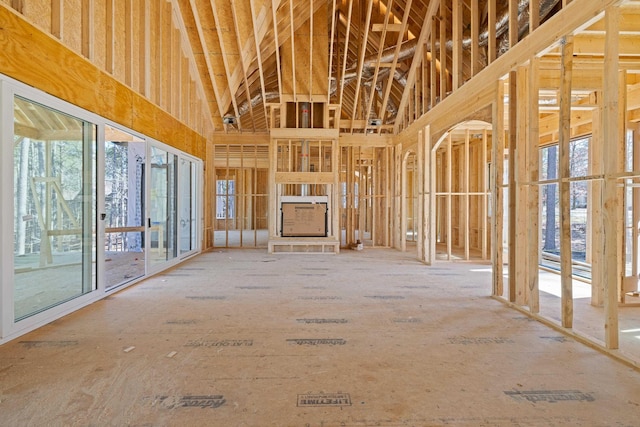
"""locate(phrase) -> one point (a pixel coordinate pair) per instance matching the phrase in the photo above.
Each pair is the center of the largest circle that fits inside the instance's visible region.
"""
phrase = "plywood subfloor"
(364, 338)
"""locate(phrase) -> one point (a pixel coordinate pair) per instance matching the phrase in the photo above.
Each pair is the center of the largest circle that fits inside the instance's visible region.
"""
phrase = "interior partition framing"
(560, 90)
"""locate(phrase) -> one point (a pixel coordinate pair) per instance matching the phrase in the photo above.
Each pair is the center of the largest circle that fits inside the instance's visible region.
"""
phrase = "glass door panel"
(188, 221)
(54, 208)
(124, 207)
(162, 206)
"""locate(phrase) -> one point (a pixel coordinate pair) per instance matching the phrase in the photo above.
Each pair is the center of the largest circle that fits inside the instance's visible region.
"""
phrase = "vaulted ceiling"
(362, 56)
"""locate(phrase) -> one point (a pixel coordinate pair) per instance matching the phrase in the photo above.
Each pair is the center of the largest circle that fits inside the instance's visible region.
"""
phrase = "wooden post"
(497, 158)
(611, 200)
(564, 173)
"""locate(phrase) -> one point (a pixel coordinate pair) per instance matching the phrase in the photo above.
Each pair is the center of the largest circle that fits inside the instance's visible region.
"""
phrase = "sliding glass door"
(162, 221)
(124, 159)
(54, 208)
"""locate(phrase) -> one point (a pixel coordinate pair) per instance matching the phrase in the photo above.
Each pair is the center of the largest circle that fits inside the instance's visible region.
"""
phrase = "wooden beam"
(345, 54)
(376, 71)
(225, 58)
(363, 51)
(243, 66)
(259, 55)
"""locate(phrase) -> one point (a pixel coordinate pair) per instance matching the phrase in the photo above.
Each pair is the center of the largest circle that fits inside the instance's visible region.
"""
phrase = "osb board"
(30, 55)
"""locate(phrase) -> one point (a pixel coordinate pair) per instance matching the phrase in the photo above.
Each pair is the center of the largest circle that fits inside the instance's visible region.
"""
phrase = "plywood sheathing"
(249, 334)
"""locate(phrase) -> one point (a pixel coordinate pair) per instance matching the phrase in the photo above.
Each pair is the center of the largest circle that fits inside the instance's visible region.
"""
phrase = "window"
(225, 199)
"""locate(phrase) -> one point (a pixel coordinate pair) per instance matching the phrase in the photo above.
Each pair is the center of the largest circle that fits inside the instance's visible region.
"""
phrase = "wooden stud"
(457, 43)
(110, 35)
(128, 42)
(513, 118)
(443, 52)
(387, 88)
(513, 23)
(144, 50)
(519, 245)
(475, 38)
(259, 56)
(417, 58)
(534, 15)
(293, 53)
(465, 197)
(421, 166)
(449, 178)
(595, 204)
(485, 190)
(433, 72)
(564, 173)
(331, 44)
(87, 29)
(533, 200)
(491, 27)
(497, 159)
(274, 8)
(376, 70)
(57, 18)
